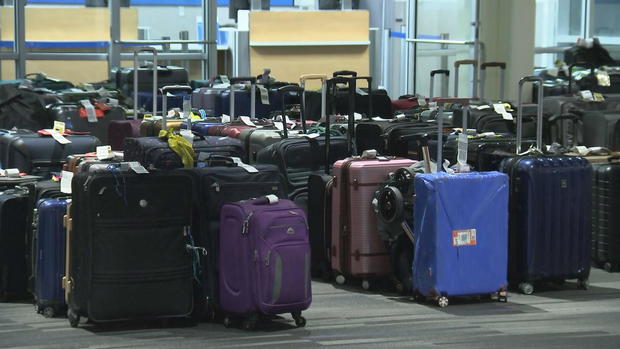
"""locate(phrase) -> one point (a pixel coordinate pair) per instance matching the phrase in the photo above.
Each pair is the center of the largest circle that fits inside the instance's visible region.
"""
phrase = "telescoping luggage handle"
(539, 112)
(435, 72)
(331, 86)
(502, 77)
(135, 79)
(282, 92)
(457, 65)
(350, 73)
(440, 104)
(164, 104)
(570, 73)
(252, 81)
(302, 82)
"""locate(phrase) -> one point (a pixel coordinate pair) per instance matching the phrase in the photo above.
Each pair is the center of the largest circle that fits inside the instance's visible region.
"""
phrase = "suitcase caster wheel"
(442, 301)
(526, 288)
(74, 319)
(300, 321)
(249, 324)
(49, 312)
(583, 284)
(502, 296)
(227, 322)
(608, 267)
(340, 279)
(37, 309)
(365, 285)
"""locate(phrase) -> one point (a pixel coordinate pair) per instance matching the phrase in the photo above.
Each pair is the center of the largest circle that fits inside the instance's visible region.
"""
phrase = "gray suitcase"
(598, 128)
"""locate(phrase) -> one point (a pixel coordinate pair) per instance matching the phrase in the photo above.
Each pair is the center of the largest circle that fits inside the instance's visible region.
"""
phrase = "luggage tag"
(104, 152)
(225, 118)
(57, 136)
(500, 108)
(598, 97)
(361, 92)
(250, 169)
(483, 107)
(272, 199)
(586, 95)
(224, 79)
(137, 167)
(264, 94)
(603, 79)
(422, 102)
(11, 173)
(65, 182)
(188, 135)
(91, 114)
(246, 120)
(461, 164)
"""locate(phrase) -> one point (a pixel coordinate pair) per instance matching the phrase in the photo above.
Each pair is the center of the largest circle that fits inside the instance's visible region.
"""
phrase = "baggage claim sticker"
(464, 237)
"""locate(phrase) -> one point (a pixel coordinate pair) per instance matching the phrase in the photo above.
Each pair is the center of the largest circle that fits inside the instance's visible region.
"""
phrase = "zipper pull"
(267, 258)
(216, 186)
(246, 223)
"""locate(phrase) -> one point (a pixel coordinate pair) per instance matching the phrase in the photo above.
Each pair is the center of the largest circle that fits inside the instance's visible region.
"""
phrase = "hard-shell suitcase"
(76, 118)
(266, 267)
(37, 154)
(357, 250)
(50, 256)
(13, 212)
(605, 220)
(129, 249)
(222, 181)
(550, 214)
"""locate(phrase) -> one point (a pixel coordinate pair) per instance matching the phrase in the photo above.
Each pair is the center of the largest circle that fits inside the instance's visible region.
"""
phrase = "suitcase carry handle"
(441, 103)
(436, 72)
(135, 79)
(282, 91)
(350, 73)
(539, 112)
(302, 83)
(164, 103)
(457, 65)
(502, 77)
(570, 73)
(252, 81)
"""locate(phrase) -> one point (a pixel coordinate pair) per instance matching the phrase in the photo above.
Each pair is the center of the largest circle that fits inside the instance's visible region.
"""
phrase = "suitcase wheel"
(228, 322)
(526, 288)
(340, 279)
(49, 312)
(502, 296)
(442, 301)
(74, 319)
(249, 324)
(583, 284)
(366, 285)
(300, 321)
(608, 267)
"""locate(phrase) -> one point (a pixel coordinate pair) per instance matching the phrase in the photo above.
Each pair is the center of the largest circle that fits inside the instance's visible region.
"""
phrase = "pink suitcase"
(357, 250)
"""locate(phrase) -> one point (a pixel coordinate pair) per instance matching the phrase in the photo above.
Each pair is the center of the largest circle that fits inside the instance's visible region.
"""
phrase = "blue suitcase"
(550, 214)
(50, 261)
(460, 233)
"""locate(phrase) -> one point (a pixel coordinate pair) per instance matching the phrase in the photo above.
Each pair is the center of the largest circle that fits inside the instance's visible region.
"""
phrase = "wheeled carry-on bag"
(550, 213)
(129, 250)
(13, 274)
(50, 256)
(460, 232)
(266, 267)
(605, 220)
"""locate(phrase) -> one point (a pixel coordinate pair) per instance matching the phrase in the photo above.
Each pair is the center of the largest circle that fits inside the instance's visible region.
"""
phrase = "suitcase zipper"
(246, 222)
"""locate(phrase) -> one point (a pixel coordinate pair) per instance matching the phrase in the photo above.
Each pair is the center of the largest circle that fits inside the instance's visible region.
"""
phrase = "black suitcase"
(130, 251)
(391, 137)
(13, 212)
(166, 75)
(35, 154)
(72, 114)
(220, 182)
(605, 220)
(599, 127)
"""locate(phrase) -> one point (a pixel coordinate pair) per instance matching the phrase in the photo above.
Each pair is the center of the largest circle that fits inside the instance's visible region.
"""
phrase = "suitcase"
(357, 250)
(606, 224)
(222, 181)
(130, 252)
(36, 154)
(550, 214)
(166, 75)
(208, 98)
(266, 270)
(13, 277)
(121, 129)
(599, 127)
(50, 256)
(75, 118)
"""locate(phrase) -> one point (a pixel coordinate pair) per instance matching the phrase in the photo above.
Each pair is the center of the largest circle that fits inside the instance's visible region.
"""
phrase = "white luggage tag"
(104, 152)
(65, 182)
(250, 169)
(188, 135)
(603, 79)
(483, 107)
(272, 199)
(137, 167)
(461, 164)
(11, 172)
(225, 118)
(113, 102)
(246, 120)
(264, 94)
(500, 108)
(58, 137)
(421, 102)
(586, 95)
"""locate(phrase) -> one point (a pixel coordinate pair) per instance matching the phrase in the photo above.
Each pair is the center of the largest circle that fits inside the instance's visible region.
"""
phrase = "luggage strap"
(179, 145)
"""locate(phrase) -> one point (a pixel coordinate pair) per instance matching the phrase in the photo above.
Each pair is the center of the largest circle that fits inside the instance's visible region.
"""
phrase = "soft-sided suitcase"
(121, 129)
(599, 127)
(36, 154)
(50, 256)
(266, 267)
(550, 214)
(76, 118)
(13, 212)
(605, 220)
(129, 246)
(357, 250)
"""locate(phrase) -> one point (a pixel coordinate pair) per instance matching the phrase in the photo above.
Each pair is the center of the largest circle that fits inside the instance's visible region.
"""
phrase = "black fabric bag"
(23, 109)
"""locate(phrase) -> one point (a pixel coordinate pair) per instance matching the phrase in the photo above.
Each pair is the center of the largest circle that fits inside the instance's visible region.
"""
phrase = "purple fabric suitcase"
(121, 129)
(264, 260)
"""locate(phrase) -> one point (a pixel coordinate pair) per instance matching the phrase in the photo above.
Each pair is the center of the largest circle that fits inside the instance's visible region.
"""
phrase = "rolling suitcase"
(150, 127)
(13, 275)
(266, 267)
(599, 127)
(605, 223)
(38, 154)
(75, 116)
(357, 250)
(459, 253)
(50, 256)
(550, 214)
(130, 252)
(223, 180)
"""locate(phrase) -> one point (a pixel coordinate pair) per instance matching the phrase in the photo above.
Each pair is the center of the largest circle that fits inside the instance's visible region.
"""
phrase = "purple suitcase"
(264, 260)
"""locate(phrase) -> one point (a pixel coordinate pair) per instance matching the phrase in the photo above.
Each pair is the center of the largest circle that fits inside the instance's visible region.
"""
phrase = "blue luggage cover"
(461, 233)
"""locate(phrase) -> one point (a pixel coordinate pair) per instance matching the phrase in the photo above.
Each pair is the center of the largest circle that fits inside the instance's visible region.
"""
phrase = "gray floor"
(551, 318)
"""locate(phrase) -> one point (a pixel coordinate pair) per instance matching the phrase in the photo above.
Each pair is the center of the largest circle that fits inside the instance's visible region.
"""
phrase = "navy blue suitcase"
(550, 214)
(50, 256)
